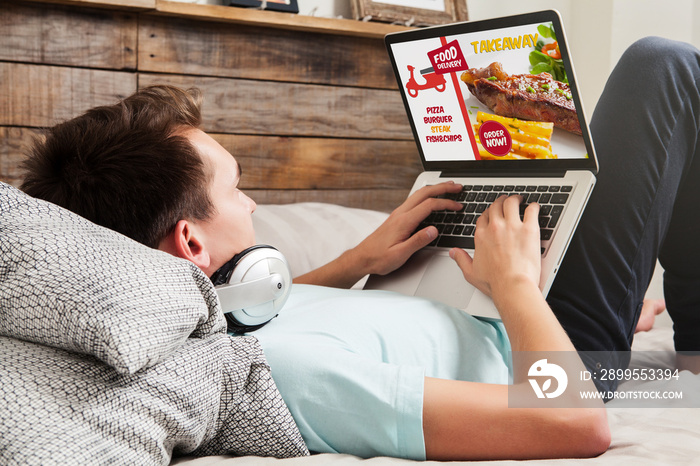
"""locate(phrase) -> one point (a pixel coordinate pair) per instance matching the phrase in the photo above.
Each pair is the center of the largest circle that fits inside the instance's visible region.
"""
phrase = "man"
(117, 175)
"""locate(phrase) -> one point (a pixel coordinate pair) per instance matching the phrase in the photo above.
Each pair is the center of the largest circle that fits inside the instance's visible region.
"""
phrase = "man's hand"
(394, 242)
(507, 250)
(390, 246)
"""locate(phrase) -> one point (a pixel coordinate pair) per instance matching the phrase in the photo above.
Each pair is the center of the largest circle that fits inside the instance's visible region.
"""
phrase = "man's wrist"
(512, 288)
(356, 263)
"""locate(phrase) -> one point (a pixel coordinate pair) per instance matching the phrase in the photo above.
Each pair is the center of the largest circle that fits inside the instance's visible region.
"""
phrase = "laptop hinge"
(503, 174)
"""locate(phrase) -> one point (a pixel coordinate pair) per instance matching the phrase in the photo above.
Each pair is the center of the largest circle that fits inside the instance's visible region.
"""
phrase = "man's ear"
(184, 242)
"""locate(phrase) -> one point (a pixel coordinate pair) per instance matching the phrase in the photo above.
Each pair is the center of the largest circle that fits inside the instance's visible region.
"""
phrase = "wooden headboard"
(307, 105)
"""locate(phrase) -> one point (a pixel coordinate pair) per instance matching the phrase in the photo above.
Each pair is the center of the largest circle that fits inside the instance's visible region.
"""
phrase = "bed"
(309, 234)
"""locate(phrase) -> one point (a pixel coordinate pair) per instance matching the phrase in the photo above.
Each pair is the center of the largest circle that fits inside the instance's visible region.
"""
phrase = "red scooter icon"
(432, 81)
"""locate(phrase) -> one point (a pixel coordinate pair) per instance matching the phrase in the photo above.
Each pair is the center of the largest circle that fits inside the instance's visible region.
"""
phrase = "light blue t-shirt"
(350, 365)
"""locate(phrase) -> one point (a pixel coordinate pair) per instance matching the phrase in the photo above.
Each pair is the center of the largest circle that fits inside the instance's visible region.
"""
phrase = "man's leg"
(645, 130)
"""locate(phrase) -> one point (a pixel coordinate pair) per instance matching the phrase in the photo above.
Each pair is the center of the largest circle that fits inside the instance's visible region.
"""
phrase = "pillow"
(211, 396)
(311, 234)
(70, 284)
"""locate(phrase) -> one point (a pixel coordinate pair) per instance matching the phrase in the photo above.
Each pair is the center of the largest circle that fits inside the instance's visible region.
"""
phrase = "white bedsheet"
(310, 234)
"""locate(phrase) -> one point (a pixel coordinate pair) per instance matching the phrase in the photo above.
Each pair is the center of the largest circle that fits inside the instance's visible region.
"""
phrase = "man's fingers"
(463, 260)
(427, 192)
(484, 217)
(511, 206)
(495, 211)
(425, 208)
(424, 237)
(532, 210)
(417, 241)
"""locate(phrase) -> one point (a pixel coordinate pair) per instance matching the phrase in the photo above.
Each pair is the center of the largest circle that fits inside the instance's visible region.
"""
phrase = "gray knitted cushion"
(68, 283)
(115, 353)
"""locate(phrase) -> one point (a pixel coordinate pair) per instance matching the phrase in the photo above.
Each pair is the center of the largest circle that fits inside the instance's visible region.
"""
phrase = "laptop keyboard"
(456, 228)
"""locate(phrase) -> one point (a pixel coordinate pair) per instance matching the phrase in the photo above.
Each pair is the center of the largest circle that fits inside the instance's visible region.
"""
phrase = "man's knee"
(661, 55)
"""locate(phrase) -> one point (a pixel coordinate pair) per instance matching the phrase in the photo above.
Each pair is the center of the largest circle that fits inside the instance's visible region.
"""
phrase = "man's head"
(143, 167)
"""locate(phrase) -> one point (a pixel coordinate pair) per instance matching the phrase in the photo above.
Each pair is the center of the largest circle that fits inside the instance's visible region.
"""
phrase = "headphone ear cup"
(257, 289)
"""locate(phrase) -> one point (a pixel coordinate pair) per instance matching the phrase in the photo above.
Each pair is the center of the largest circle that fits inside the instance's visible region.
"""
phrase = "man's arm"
(465, 420)
(390, 246)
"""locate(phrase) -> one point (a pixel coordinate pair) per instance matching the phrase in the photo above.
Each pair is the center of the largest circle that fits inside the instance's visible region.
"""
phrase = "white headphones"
(253, 287)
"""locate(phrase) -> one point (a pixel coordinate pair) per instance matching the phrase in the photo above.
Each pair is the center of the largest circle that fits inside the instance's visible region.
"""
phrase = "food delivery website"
(491, 95)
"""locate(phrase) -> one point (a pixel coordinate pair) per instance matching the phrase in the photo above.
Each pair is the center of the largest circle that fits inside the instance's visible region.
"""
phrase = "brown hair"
(124, 166)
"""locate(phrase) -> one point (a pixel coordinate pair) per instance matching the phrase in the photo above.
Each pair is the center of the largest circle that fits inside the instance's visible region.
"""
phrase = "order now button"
(495, 138)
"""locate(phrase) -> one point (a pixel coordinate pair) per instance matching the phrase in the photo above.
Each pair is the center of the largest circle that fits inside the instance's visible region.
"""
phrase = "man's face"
(230, 228)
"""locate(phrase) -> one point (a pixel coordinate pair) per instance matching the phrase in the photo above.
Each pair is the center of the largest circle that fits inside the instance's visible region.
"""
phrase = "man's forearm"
(529, 321)
(342, 272)
(390, 245)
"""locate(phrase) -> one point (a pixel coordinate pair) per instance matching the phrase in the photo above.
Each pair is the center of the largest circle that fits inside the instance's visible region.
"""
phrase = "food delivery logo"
(547, 372)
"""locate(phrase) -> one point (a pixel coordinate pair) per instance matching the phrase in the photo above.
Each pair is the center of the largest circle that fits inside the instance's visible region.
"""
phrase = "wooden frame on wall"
(411, 12)
(290, 6)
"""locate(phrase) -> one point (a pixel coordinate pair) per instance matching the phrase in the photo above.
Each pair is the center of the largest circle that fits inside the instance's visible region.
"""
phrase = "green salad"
(546, 58)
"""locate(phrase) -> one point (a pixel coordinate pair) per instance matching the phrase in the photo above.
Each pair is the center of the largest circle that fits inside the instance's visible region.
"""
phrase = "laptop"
(494, 106)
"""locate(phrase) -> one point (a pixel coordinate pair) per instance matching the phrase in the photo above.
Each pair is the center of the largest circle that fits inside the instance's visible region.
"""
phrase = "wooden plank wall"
(310, 116)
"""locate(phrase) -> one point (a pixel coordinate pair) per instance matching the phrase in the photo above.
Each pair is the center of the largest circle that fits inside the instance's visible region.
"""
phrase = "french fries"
(530, 139)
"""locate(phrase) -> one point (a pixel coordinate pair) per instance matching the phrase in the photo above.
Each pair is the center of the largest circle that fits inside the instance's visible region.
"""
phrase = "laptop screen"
(489, 93)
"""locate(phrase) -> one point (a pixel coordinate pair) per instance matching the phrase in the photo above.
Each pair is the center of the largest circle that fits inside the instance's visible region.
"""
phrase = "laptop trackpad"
(443, 281)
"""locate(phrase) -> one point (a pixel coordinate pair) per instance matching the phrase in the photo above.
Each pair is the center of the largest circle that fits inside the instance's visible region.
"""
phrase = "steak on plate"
(537, 97)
